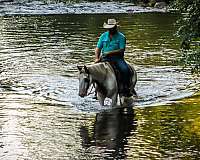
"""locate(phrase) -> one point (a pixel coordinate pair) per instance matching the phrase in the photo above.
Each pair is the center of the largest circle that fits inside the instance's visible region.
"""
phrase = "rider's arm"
(97, 54)
(98, 49)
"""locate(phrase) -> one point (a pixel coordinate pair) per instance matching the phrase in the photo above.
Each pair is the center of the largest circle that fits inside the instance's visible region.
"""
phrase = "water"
(32, 7)
(41, 115)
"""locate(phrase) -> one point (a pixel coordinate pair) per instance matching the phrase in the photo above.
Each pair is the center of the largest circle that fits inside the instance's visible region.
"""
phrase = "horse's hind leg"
(114, 100)
(122, 99)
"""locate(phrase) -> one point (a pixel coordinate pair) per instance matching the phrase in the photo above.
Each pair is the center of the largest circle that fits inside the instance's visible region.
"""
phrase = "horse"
(103, 76)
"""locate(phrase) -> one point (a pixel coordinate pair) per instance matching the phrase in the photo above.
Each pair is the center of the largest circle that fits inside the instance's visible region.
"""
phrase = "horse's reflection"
(110, 131)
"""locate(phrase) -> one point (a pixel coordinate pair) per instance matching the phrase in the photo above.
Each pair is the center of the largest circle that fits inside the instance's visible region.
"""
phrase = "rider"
(110, 48)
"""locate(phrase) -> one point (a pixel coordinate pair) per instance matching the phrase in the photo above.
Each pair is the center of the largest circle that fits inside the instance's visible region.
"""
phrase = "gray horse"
(103, 77)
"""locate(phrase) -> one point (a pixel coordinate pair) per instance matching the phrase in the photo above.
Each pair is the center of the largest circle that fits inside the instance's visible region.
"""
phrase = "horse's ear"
(86, 69)
(79, 67)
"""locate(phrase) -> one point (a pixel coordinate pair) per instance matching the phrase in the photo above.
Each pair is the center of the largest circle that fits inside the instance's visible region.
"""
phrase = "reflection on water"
(110, 133)
(167, 132)
(45, 131)
(42, 117)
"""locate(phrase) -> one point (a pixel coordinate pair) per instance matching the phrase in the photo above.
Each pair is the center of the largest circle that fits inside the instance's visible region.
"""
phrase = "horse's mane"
(99, 71)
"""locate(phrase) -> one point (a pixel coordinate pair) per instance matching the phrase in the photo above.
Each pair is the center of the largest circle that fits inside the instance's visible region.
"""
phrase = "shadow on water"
(109, 133)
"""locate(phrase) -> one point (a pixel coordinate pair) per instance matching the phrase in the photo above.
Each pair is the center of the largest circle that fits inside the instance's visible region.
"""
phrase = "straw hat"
(110, 24)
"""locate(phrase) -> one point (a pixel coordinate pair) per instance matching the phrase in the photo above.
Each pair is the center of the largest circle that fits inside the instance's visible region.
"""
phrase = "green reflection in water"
(160, 132)
(54, 44)
(169, 131)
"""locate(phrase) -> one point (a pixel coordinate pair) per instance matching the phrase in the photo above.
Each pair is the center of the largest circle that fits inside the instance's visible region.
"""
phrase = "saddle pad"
(118, 76)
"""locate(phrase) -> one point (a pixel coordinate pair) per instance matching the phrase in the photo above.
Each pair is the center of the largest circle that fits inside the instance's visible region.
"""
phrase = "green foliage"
(190, 21)
(189, 31)
(192, 58)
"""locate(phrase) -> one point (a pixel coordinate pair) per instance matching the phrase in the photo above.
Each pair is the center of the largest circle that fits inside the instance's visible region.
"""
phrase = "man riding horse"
(110, 48)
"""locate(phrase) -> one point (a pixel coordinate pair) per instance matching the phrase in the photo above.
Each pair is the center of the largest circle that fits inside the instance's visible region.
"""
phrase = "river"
(41, 115)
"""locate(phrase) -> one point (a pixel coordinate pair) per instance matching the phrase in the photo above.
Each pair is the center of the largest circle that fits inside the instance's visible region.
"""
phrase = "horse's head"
(84, 80)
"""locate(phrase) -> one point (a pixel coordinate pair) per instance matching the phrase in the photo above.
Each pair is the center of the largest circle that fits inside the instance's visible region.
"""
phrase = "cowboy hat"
(110, 24)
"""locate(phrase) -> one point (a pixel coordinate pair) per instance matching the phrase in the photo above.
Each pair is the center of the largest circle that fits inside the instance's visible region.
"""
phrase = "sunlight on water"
(41, 115)
(42, 7)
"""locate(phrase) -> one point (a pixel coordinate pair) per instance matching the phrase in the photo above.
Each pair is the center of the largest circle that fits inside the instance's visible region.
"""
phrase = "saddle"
(123, 89)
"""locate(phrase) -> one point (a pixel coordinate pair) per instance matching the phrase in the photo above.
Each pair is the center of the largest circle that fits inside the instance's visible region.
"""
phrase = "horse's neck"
(98, 71)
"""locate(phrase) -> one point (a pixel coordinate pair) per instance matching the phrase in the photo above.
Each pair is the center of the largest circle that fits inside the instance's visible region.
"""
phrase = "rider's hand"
(97, 60)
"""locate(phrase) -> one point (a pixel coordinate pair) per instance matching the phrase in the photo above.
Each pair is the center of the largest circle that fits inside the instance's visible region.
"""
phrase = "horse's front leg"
(114, 100)
(101, 97)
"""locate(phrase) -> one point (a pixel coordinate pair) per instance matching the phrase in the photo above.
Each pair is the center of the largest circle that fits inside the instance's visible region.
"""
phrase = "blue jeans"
(122, 66)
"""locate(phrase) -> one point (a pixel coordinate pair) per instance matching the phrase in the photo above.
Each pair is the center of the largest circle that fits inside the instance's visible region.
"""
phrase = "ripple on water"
(163, 84)
(156, 85)
(38, 7)
(42, 117)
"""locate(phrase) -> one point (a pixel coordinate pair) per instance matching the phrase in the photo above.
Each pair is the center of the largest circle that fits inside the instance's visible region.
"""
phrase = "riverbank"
(42, 8)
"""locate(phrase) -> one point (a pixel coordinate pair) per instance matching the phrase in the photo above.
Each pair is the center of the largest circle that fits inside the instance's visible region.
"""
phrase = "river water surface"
(41, 115)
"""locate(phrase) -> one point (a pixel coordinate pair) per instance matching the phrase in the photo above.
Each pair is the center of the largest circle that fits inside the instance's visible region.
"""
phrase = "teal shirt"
(117, 42)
